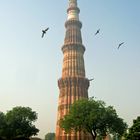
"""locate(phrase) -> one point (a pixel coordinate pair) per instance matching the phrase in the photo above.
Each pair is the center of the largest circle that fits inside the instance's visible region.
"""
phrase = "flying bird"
(97, 31)
(44, 32)
(91, 79)
(120, 45)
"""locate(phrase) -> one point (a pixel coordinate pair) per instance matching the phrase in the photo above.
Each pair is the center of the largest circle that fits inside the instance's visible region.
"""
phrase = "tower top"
(73, 3)
(73, 10)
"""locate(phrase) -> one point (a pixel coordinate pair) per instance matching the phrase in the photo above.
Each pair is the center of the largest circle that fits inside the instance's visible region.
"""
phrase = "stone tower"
(72, 85)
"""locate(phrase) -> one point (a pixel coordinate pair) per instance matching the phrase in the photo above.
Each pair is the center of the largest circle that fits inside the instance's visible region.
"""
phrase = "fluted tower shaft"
(72, 85)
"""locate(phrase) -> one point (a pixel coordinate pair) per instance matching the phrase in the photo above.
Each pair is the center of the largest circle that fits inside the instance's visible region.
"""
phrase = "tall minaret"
(72, 85)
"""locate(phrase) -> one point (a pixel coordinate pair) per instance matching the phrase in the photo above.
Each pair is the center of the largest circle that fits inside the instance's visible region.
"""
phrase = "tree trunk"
(93, 135)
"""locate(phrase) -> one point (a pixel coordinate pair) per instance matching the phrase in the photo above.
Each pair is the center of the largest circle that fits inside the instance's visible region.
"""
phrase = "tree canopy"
(50, 136)
(93, 117)
(18, 123)
(2, 124)
(134, 130)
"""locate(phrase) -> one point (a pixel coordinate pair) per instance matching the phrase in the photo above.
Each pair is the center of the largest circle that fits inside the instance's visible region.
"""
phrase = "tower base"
(73, 138)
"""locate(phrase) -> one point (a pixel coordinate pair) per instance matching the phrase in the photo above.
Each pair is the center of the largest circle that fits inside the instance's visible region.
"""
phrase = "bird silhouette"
(91, 79)
(97, 31)
(44, 32)
(120, 45)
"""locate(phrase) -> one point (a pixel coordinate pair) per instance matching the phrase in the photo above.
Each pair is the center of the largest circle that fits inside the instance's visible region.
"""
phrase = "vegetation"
(50, 136)
(93, 117)
(2, 124)
(17, 123)
(134, 130)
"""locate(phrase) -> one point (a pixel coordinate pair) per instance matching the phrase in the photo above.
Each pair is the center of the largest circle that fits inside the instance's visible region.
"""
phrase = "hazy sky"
(30, 66)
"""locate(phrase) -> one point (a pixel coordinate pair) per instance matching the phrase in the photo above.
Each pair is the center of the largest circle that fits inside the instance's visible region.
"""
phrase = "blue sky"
(30, 66)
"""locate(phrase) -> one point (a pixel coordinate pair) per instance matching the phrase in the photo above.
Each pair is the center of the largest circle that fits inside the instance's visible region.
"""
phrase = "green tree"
(2, 125)
(50, 136)
(93, 117)
(134, 130)
(18, 123)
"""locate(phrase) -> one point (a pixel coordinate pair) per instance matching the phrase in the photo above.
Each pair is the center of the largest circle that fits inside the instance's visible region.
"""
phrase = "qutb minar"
(73, 84)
